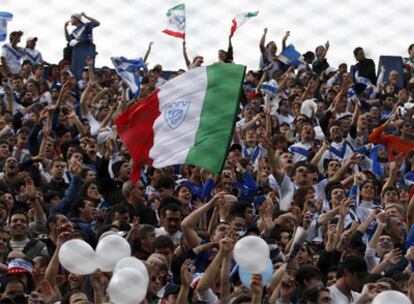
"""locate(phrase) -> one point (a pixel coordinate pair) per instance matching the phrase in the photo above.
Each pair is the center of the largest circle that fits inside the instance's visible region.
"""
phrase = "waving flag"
(128, 70)
(290, 56)
(4, 18)
(240, 19)
(176, 21)
(189, 120)
(271, 87)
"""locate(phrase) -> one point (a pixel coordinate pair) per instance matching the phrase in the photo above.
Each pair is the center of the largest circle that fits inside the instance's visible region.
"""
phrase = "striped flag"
(270, 87)
(176, 21)
(4, 18)
(128, 70)
(188, 120)
(240, 19)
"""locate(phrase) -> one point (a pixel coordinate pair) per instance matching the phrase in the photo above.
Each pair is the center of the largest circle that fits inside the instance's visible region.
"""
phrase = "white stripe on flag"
(174, 97)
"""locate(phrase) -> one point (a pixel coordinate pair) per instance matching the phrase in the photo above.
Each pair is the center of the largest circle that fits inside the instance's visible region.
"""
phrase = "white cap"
(30, 38)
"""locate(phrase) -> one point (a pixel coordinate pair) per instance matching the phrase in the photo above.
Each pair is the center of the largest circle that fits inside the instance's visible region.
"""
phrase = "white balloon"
(133, 262)
(252, 253)
(78, 257)
(110, 250)
(127, 286)
(391, 296)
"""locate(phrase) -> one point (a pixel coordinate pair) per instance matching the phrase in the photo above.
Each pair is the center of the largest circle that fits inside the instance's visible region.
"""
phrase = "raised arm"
(190, 222)
(262, 41)
(94, 21)
(315, 160)
(148, 51)
(207, 280)
(273, 158)
(377, 136)
(285, 38)
(67, 36)
(84, 99)
(186, 59)
(323, 55)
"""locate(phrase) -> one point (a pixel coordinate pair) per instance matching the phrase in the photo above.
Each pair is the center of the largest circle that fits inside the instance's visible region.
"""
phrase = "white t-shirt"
(13, 57)
(339, 298)
(287, 189)
(33, 55)
(176, 237)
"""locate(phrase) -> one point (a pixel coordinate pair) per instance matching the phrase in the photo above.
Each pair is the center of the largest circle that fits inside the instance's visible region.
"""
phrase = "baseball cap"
(19, 265)
(30, 38)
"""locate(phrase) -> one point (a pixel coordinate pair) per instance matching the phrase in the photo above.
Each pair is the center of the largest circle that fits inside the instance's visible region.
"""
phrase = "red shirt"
(394, 144)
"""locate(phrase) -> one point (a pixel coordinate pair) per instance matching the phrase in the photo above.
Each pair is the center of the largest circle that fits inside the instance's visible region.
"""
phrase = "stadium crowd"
(328, 149)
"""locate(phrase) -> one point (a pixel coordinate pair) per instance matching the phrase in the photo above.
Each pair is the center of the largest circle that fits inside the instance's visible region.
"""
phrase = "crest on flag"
(180, 22)
(175, 113)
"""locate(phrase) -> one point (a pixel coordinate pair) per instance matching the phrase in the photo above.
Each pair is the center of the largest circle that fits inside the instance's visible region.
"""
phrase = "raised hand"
(187, 272)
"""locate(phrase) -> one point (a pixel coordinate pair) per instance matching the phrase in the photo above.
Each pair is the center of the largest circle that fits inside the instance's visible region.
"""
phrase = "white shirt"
(176, 237)
(300, 151)
(13, 57)
(287, 189)
(33, 55)
(339, 298)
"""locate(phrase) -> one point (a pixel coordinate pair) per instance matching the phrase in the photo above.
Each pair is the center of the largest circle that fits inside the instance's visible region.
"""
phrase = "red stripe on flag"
(135, 128)
(234, 26)
(175, 34)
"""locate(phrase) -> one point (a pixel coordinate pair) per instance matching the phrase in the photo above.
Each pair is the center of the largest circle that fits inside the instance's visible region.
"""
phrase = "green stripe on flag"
(178, 7)
(252, 14)
(218, 115)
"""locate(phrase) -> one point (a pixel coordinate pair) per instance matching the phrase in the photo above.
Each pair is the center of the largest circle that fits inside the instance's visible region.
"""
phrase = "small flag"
(4, 18)
(176, 21)
(128, 70)
(240, 19)
(185, 121)
(270, 87)
(290, 56)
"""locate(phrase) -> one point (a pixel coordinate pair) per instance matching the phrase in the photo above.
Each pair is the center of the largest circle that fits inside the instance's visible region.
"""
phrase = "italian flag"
(188, 120)
(176, 21)
(240, 19)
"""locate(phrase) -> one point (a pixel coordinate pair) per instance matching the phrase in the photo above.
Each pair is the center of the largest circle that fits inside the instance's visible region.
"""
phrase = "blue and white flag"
(128, 70)
(291, 56)
(4, 18)
(270, 87)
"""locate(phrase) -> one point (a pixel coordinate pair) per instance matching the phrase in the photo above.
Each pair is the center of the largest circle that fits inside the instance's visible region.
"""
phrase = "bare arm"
(325, 217)
(93, 20)
(207, 280)
(213, 220)
(316, 159)
(273, 160)
(78, 124)
(186, 278)
(285, 38)
(67, 36)
(191, 221)
(262, 41)
(225, 277)
(148, 51)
